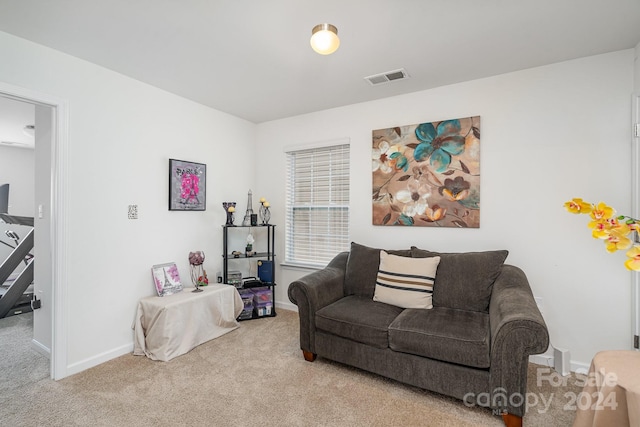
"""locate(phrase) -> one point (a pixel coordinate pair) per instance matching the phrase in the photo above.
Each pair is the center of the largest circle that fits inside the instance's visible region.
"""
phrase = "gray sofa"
(473, 344)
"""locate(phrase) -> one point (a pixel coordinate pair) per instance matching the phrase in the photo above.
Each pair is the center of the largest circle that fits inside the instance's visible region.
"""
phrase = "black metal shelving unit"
(269, 255)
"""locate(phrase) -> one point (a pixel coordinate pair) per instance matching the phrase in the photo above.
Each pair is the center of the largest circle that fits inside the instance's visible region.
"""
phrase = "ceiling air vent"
(387, 77)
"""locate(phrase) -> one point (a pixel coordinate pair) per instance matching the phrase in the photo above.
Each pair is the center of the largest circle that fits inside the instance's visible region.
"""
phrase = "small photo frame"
(187, 186)
(166, 279)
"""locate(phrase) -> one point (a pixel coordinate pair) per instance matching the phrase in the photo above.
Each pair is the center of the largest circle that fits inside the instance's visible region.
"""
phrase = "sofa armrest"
(517, 331)
(314, 291)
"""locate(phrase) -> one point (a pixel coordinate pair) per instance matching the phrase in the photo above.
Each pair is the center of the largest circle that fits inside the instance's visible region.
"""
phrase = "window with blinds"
(317, 207)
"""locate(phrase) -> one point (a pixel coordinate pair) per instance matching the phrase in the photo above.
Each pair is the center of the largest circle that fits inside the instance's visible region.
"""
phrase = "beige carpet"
(253, 376)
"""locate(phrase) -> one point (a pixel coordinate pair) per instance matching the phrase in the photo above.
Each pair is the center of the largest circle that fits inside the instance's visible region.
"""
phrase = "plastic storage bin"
(262, 296)
(247, 300)
(264, 309)
(234, 278)
(247, 297)
(247, 313)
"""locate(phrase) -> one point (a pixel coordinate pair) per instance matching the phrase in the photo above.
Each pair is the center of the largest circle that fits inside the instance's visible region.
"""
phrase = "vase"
(196, 271)
(265, 215)
(230, 215)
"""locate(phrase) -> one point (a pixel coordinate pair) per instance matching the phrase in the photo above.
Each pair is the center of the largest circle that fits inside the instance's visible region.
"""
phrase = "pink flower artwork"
(190, 188)
(173, 272)
(158, 285)
(187, 185)
(166, 279)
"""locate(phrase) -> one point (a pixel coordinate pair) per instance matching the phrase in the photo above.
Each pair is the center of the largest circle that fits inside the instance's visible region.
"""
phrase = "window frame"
(343, 239)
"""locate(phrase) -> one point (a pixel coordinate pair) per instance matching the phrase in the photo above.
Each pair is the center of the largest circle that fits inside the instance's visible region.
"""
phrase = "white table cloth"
(169, 326)
(611, 394)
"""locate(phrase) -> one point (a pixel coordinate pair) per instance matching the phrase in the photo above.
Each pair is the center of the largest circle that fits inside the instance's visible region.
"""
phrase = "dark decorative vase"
(265, 214)
(230, 215)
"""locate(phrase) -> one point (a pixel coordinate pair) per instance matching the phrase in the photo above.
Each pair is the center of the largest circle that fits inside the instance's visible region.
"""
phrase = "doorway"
(51, 118)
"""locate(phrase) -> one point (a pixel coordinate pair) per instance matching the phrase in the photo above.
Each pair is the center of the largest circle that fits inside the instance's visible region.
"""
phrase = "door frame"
(635, 211)
(57, 218)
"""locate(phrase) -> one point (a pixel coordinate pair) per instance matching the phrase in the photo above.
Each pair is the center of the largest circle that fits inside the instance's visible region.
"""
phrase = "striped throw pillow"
(406, 282)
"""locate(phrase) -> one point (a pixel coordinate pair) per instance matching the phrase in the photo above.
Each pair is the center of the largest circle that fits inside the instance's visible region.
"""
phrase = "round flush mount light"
(29, 130)
(324, 39)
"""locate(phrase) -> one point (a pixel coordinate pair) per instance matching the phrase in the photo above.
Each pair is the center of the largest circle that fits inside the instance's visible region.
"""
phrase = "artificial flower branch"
(614, 230)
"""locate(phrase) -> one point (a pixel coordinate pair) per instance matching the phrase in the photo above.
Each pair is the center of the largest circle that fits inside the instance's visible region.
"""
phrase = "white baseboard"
(45, 351)
(541, 359)
(287, 306)
(579, 368)
(83, 365)
(546, 360)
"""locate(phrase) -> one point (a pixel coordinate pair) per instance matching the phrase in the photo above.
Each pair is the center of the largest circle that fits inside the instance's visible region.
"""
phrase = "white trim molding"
(98, 359)
(43, 350)
(635, 211)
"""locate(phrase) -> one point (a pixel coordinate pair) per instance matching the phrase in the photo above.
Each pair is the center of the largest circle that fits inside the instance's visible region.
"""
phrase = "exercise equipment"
(14, 297)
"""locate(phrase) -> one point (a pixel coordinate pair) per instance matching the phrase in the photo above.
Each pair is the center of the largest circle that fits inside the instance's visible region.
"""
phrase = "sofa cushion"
(405, 282)
(450, 335)
(359, 319)
(362, 269)
(465, 280)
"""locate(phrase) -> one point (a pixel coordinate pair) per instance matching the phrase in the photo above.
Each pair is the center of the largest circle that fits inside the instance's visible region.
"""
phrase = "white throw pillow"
(406, 282)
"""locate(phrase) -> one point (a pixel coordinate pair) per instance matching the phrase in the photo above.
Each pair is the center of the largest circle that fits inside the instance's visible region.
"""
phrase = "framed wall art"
(166, 279)
(427, 174)
(187, 186)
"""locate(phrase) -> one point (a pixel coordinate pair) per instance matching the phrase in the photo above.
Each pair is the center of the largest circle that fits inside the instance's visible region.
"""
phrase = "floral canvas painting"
(187, 186)
(427, 174)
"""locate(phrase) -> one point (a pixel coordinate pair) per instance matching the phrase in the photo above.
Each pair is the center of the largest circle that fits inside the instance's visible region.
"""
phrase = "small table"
(169, 326)
(611, 394)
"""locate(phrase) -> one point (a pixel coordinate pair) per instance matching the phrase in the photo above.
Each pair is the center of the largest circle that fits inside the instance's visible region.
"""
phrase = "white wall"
(121, 135)
(548, 134)
(16, 168)
(636, 80)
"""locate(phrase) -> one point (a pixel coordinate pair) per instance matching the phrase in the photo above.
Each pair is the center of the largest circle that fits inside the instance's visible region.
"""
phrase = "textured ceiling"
(252, 59)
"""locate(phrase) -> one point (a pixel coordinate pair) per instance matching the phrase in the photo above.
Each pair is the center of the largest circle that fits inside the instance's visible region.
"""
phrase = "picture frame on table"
(166, 279)
(187, 186)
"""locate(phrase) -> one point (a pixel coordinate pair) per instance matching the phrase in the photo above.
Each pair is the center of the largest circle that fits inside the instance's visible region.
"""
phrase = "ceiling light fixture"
(324, 39)
(29, 130)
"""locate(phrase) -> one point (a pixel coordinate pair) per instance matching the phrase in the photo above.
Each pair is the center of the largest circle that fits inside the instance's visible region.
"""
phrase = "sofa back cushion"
(362, 269)
(464, 280)
(405, 282)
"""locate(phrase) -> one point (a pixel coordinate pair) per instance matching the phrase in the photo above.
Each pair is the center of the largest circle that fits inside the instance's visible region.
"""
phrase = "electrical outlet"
(133, 212)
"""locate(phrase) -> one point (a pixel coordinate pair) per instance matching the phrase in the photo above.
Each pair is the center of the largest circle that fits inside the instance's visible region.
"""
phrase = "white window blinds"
(317, 210)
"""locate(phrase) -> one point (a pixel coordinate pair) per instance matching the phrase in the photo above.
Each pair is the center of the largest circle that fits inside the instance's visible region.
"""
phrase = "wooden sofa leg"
(308, 356)
(511, 420)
